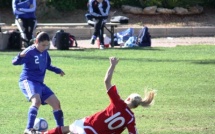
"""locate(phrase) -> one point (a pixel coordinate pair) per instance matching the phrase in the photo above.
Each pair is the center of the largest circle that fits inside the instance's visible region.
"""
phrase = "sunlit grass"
(184, 77)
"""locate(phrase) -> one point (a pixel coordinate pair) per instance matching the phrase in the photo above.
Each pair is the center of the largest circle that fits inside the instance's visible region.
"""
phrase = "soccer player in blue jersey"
(24, 11)
(36, 60)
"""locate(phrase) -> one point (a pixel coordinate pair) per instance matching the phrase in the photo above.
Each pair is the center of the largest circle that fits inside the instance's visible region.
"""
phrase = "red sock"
(56, 130)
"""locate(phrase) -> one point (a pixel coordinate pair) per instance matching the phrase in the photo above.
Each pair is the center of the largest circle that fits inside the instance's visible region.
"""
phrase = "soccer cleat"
(90, 22)
(92, 41)
(29, 131)
(37, 132)
(102, 47)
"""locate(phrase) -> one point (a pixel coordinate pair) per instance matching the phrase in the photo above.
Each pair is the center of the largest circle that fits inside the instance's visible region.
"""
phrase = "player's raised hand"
(113, 60)
(62, 73)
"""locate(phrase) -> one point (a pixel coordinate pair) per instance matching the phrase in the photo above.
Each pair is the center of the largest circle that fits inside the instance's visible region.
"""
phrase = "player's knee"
(35, 100)
(56, 105)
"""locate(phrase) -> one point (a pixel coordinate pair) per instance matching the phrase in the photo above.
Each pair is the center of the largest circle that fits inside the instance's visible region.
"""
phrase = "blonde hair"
(135, 99)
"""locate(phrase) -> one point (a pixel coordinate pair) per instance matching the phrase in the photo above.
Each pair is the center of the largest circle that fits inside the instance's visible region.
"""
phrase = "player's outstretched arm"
(109, 73)
(19, 59)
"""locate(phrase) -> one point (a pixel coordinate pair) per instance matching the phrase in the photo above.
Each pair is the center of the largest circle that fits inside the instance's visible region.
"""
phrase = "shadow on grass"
(204, 62)
(10, 52)
(92, 49)
(67, 50)
(5, 51)
(108, 49)
(200, 62)
(139, 48)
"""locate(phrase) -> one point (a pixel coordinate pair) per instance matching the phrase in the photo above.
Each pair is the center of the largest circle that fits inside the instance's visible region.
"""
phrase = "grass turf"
(184, 77)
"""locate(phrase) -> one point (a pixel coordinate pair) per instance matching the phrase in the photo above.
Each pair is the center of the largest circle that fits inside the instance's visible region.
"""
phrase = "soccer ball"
(40, 124)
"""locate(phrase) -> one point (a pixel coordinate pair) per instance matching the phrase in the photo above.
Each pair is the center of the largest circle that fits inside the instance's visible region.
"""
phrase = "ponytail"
(148, 99)
(134, 100)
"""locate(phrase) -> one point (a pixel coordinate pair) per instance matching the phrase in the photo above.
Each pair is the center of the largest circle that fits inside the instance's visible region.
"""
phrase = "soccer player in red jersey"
(115, 118)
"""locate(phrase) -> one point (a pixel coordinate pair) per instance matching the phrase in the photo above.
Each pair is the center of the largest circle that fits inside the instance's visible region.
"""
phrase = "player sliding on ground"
(115, 118)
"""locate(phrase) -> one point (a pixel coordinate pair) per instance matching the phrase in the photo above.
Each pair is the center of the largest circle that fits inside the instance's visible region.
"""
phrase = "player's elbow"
(14, 63)
(107, 81)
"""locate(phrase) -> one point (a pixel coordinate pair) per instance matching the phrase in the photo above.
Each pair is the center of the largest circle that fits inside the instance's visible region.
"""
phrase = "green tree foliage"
(5, 4)
(188, 3)
(146, 3)
(119, 3)
(209, 3)
(69, 5)
(171, 3)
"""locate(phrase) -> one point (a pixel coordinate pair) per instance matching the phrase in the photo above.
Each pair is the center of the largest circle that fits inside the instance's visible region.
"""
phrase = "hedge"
(69, 5)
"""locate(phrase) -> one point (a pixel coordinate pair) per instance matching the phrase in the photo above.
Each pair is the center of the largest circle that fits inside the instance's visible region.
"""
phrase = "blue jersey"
(97, 9)
(35, 64)
(24, 8)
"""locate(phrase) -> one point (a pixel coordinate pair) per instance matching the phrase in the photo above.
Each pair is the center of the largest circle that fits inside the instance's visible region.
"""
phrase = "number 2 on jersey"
(36, 59)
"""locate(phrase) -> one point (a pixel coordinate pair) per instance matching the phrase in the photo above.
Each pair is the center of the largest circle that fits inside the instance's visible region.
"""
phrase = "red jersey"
(112, 120)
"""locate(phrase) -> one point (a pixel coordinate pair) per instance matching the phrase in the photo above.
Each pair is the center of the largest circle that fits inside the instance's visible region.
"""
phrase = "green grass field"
(184, 77)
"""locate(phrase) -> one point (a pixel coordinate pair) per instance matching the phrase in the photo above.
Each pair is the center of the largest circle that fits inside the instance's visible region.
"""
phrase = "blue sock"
(94, 37)
(32, 114)
(58, 115)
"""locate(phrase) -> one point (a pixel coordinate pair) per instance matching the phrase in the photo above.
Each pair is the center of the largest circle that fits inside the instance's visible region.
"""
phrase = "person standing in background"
(25, 18)
(98, 10)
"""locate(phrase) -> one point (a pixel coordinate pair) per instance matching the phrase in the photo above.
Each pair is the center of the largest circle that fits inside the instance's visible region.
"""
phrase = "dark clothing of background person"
(25, 18)
(98, 12)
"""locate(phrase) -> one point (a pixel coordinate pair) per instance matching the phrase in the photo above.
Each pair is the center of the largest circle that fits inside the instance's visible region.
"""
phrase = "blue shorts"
(30, 88)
